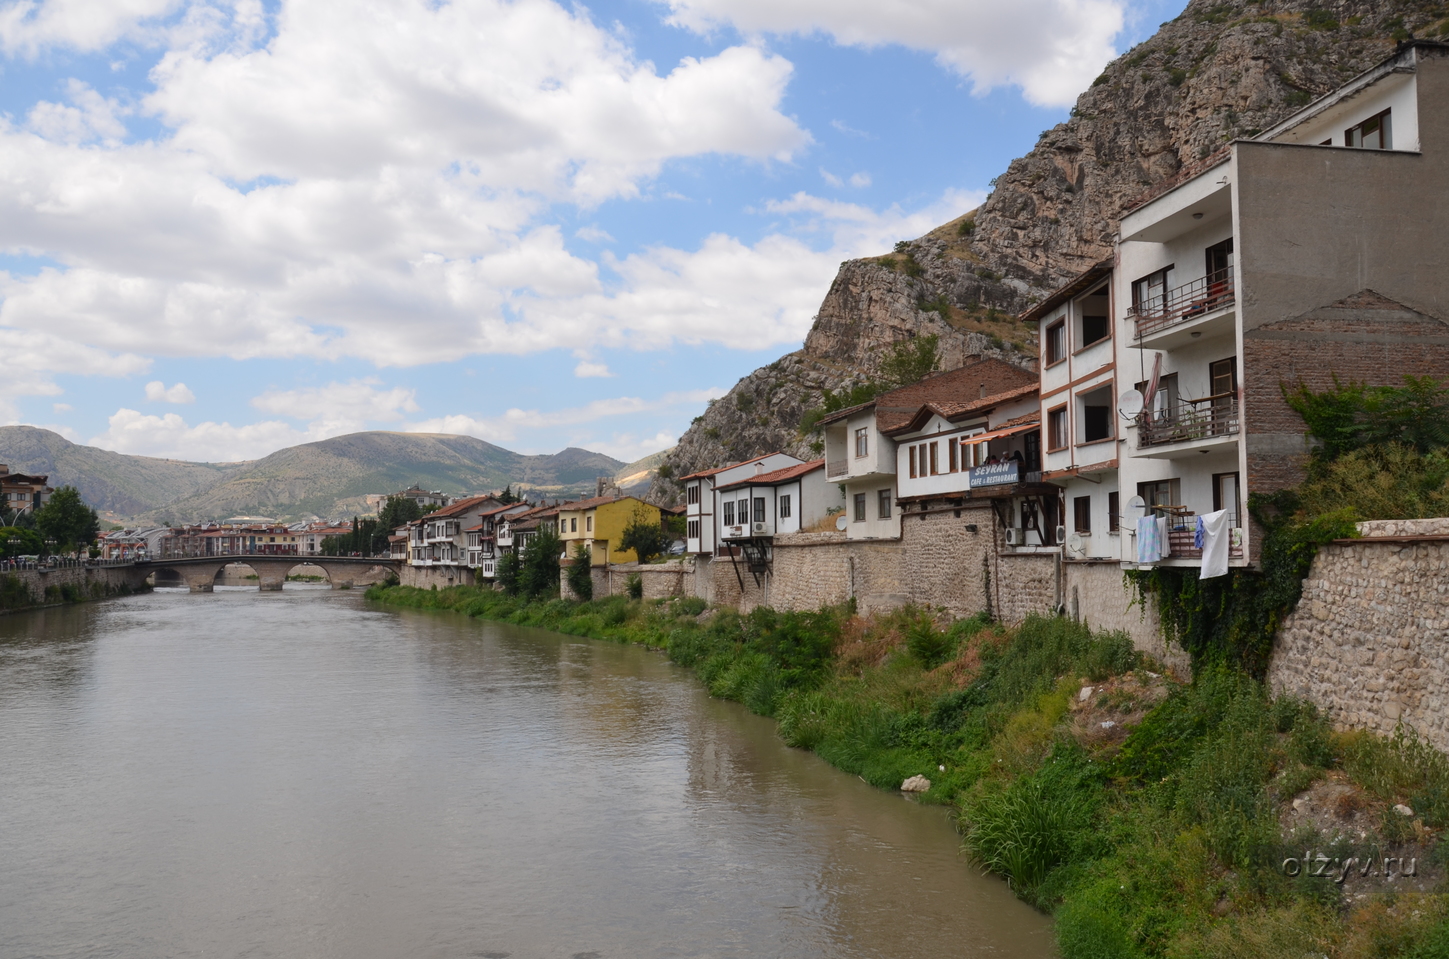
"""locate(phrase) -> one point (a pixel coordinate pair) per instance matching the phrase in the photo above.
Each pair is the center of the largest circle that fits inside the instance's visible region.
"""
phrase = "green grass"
(1160, 846)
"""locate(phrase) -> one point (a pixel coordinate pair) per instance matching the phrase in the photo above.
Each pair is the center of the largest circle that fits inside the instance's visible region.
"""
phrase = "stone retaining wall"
(426, 577)
(1096, 592)
(45, 586)
(1369, 641)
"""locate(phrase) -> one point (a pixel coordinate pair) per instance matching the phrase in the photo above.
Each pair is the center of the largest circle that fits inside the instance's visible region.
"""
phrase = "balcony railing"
(1184, 303)
(1190, 420)
(836, 468)
(1182, 538)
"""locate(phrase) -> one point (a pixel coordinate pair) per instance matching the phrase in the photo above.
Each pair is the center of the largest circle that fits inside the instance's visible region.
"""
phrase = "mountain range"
(329, 478)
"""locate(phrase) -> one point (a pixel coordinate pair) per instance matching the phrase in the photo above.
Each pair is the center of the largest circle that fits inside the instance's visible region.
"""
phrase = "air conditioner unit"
(1015, 537)
(761, 528)
(1061, 534)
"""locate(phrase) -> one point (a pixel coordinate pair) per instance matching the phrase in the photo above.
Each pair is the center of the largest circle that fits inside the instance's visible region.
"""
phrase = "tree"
(643, 535)
(580, 574)
(27, 542)
(507, 497)
(908, 361)
(67, 519)
(1355, 415)
(506, 573)
(398, 511)
(538, 568)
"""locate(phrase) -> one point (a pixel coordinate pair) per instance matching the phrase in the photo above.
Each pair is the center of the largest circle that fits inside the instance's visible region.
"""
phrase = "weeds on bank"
(1166, 841)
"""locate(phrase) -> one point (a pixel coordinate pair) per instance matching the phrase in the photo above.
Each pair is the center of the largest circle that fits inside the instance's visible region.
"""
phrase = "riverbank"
(23, 590)
(1148, 817)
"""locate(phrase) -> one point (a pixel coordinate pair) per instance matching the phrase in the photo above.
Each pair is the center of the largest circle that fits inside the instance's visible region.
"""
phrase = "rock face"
(1219, 71)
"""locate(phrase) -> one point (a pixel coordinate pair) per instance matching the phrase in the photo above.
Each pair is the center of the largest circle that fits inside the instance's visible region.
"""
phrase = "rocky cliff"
(1217, 72)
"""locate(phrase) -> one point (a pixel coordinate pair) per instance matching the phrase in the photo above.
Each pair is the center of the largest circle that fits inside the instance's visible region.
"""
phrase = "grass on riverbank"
(1150, 818)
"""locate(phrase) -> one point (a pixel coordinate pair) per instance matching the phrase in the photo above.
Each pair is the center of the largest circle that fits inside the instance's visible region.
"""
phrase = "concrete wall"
(1369, 641)
(426, 577)
(93, 583)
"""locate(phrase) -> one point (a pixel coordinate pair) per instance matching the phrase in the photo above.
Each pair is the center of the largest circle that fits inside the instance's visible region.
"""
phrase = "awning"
(998, 434)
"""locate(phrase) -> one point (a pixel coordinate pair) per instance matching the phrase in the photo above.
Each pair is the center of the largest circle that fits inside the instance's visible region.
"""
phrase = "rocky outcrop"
(1217, 72)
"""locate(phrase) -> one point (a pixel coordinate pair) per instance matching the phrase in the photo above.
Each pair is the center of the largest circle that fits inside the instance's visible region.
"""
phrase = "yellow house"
(598, 523)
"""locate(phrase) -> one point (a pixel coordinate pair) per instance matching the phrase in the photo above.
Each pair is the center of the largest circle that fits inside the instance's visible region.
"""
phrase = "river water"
(305, 774)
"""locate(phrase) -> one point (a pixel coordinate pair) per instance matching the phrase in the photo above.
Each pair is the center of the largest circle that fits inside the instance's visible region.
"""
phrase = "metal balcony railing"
(1190, 420)
(1183, 303)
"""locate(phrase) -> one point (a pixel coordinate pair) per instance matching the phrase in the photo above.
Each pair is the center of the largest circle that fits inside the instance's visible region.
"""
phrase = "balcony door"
(1219, 274)
(1223, 379)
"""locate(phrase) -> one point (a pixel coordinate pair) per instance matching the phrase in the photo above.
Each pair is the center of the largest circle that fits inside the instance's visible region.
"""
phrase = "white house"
(702, 522)
(761, 506)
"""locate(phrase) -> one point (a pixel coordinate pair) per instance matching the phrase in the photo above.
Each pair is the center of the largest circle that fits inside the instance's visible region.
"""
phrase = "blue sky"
(231, 226)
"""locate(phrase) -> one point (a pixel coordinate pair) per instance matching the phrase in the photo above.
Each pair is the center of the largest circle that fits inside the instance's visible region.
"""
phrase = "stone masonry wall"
(92, 582)
(660, 580)
(426, 577)
(1369, 641)
(1097, 593)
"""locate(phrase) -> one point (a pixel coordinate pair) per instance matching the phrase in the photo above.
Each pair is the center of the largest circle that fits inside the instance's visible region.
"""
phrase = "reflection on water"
(302, 774)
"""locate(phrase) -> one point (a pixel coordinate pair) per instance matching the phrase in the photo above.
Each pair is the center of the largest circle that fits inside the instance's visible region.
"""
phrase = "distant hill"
(636, 478)
(331, 478)
(111, 482)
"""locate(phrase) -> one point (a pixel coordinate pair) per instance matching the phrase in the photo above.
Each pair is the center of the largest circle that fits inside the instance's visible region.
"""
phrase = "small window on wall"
(883, 504)
(1149, 294)
(759, 509)
(574, 525)
(729, 513)
(694, 529)
(1082, 514)
(1094, 329)
(692, 494)
(1113, 520)
(785, 506)
(911, 452)
(1375, 133)
(935, 459)
(1093, 310)
(862, 442)
(1057, 428)
(860, 507)
(1056, 342)
(951, 458)
(588, 524)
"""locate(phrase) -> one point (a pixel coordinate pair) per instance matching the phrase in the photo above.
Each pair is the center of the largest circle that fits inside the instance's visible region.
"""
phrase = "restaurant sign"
(995, 474)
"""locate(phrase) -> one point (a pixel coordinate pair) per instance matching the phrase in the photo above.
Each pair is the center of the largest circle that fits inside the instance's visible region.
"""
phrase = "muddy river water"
(306, 774)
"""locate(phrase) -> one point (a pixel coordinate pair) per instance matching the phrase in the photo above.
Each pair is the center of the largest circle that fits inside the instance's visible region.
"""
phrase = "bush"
(634, 585)
(581, 574)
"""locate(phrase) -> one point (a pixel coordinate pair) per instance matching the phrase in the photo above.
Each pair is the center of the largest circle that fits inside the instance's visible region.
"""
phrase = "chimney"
(983, 391)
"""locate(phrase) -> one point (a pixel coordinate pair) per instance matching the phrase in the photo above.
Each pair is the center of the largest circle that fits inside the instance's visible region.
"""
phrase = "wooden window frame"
(859, 506)
(1066, 428)
(1046, 344)
(1082, 514)
(782, 505)
(1114, 498)
(862, 442)
(883, 503)
(1385, 119)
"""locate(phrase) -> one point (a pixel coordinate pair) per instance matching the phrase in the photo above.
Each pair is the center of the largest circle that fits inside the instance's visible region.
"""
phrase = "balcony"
(1181, 538)
(1191, 426)
(1200, 308)
(837, 469)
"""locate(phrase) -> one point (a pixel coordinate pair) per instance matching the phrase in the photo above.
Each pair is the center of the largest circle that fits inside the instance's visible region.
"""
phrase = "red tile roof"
(776, 477)
(458, 508)
(979, 385)
(721, 469)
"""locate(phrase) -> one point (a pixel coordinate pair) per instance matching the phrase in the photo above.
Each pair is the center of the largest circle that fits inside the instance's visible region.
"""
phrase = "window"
(951, 448)
(1082, 514)
(573, 524)
(691, 495)
(1057, 428)
(1159, 493)
(935, 459)
(862, 441)
(911, 451)
(1056, 342)
(883, 504)
(860, 507)
(588, 524)
(1096, 413)
(1375, 133)
(1219, 266)
(1149, 294)
(1094, 328)
(1112, 512)
(1226, 496)
(759, 509)
(693, 531)
(729, 513)
(785, 506)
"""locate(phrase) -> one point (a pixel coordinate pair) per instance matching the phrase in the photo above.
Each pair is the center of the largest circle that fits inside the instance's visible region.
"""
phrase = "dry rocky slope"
(1217, 72)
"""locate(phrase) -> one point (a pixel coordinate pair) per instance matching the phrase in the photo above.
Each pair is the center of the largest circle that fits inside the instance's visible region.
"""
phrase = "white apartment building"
(702, 521)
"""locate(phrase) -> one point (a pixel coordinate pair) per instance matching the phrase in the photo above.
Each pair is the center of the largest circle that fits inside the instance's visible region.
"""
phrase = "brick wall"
(1369, 641)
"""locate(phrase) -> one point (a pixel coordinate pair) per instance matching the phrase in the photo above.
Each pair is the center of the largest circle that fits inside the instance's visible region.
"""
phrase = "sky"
(231, 226)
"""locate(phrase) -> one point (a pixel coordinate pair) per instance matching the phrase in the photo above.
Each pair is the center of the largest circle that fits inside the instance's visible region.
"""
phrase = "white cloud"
(831, 178)
(27, 26)
(587, 369)
(505, 428)
(157, 392)
(592, 234)
(339, 408)
(1050, 48)
(61, 407)
(368, 183)
(131, 431)
(860, 179)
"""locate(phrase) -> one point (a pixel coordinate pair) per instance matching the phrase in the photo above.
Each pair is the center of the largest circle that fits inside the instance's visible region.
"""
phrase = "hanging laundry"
(1215, 539)
(1197, 535)
(1149, 540)
(1164, 542)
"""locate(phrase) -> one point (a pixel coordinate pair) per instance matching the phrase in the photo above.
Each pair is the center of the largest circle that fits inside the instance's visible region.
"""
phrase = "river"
(306, 774)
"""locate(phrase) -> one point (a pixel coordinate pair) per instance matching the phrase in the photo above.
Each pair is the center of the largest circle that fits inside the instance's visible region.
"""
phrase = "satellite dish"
(1136, 509)
(1075, 543)
(1130, 404)
(841, 522)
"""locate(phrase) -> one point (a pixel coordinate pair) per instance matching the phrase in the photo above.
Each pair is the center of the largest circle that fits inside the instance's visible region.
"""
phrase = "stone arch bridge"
(200, 572)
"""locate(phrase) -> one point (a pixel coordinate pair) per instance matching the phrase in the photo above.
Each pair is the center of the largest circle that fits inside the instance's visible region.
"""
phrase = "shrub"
(634, 585)
(580, 574)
